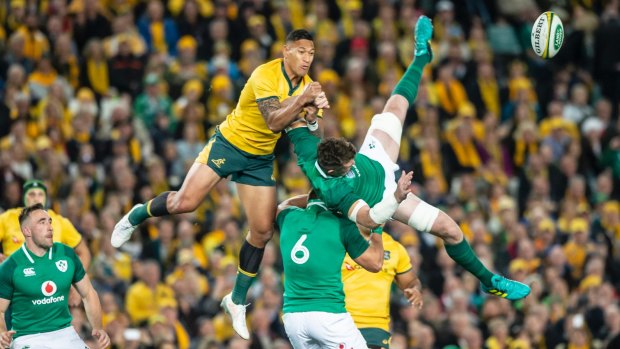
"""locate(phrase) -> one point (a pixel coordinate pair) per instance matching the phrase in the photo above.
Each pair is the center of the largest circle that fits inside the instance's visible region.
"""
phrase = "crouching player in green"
(356, 184)
(36, 280)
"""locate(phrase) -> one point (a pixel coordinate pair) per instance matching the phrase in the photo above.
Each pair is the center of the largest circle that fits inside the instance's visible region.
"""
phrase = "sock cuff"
(459, 248)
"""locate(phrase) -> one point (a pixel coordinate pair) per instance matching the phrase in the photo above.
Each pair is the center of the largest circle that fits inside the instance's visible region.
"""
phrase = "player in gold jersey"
(373, 318)
(242, 148)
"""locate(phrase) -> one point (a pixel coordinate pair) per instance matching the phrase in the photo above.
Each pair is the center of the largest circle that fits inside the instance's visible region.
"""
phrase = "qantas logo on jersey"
(29, 272)
(62, 265)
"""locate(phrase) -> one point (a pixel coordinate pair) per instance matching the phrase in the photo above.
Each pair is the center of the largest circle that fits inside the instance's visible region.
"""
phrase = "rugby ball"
(547, 35)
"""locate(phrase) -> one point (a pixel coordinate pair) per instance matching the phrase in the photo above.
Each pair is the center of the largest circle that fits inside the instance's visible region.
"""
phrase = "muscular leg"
(259, 204)
(423, 217)
(199, 181)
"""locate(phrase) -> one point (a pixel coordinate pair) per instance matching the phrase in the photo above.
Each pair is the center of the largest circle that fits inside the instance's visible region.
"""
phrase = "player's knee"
(260, 236)
(182, 203)
(424, 217)
(447, 229)
(389, 123)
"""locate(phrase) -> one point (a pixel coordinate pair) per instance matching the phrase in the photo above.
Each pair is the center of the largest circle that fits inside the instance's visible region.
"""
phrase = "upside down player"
(354, 183)
(242, 148)
(373, 319)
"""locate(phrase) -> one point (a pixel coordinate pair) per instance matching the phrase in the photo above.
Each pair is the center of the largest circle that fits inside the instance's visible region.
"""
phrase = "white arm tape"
(384, 210)
(313, 126)
(356, 209)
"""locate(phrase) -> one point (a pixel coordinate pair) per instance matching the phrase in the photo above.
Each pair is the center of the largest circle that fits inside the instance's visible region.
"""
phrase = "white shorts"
(373, 149)
(318, 329)
(66, 338)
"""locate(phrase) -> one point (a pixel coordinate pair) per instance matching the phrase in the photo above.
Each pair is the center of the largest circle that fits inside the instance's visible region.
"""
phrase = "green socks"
(465, 257)
(139, 215)
(250, 258)
(408, 85)
(152, 208)
(242, 285)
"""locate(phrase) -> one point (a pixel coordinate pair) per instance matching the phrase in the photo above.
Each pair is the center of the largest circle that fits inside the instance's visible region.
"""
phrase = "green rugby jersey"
(38, 288)
(365, 181)
(313, 243)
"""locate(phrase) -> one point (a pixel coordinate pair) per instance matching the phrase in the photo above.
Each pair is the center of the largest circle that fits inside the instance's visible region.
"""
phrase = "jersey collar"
(30, 257)
(317, 203)
(321, 172)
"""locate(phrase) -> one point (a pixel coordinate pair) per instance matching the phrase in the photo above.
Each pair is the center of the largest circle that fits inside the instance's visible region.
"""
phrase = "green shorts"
(244, 168)
(376, 337)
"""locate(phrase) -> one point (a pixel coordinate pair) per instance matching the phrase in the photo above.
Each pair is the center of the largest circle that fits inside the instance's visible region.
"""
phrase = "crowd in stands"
(110, 101)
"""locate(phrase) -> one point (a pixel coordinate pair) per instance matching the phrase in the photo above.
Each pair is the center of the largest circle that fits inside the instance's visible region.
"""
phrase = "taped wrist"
(384, 210)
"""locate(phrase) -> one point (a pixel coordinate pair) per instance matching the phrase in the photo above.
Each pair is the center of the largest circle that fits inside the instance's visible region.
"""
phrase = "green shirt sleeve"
(338, 195)
(282, 215)
(79, 272)
(353, 241)
(305, 144)
(6, 278)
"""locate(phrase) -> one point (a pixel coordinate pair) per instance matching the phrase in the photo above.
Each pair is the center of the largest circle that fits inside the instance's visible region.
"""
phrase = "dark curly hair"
(333, 153)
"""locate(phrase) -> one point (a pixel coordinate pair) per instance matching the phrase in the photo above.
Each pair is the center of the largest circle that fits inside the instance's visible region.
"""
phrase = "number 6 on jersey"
(299, 247)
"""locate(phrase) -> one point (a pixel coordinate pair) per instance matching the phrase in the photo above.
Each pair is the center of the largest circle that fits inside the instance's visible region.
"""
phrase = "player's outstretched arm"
(92, 307)
(279, 115)
(6, 337)
(411, 286)
(383, 211)
(372, 258)
(300, 201)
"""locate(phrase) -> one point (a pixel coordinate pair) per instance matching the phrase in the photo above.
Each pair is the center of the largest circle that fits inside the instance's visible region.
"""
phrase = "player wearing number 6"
(313, 243)
(36, 279)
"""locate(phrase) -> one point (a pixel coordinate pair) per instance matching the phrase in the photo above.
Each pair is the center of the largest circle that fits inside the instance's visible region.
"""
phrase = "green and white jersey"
(313, 243)
(38, 288)
(365, 181)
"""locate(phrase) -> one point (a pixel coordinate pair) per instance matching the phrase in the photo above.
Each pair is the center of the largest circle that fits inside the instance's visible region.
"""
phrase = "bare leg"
(197, 184)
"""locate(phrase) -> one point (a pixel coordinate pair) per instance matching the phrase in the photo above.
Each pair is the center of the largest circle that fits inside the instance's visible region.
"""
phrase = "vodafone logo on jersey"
(48, 288)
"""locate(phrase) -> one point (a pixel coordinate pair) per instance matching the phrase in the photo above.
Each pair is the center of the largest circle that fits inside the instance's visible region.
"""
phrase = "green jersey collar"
(30, 257)
(317, 203)
(321, 172)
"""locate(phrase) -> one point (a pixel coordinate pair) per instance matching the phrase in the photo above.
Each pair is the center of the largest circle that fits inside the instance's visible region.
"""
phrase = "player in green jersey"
(313, 243)
(36, 281)
(355, 183)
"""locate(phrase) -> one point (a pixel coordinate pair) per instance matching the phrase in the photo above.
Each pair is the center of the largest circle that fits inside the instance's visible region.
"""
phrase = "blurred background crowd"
(110, 101)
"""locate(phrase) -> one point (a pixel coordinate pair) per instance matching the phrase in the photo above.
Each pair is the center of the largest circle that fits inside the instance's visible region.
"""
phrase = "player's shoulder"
(12, 212)
(268, 70)
(62, 249)
(10, 264)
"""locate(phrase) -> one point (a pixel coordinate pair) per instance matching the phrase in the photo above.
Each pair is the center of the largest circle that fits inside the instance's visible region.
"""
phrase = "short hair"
(25, 214)
(333, 153)
(299, 34)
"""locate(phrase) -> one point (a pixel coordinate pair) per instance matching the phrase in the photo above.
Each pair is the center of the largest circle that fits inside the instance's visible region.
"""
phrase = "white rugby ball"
(547, 35)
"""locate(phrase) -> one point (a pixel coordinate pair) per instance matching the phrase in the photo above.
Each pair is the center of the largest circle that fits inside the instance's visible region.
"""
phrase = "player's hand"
(75, 300)
(321, 101)
(311, 92)
(2, 257)
(102, 338)
(6, 338)
(403, 187)
(311, 112)
(414, 296)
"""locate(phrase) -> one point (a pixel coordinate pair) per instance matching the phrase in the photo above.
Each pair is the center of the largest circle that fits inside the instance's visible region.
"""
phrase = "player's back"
(313, 244)
(245, 127)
